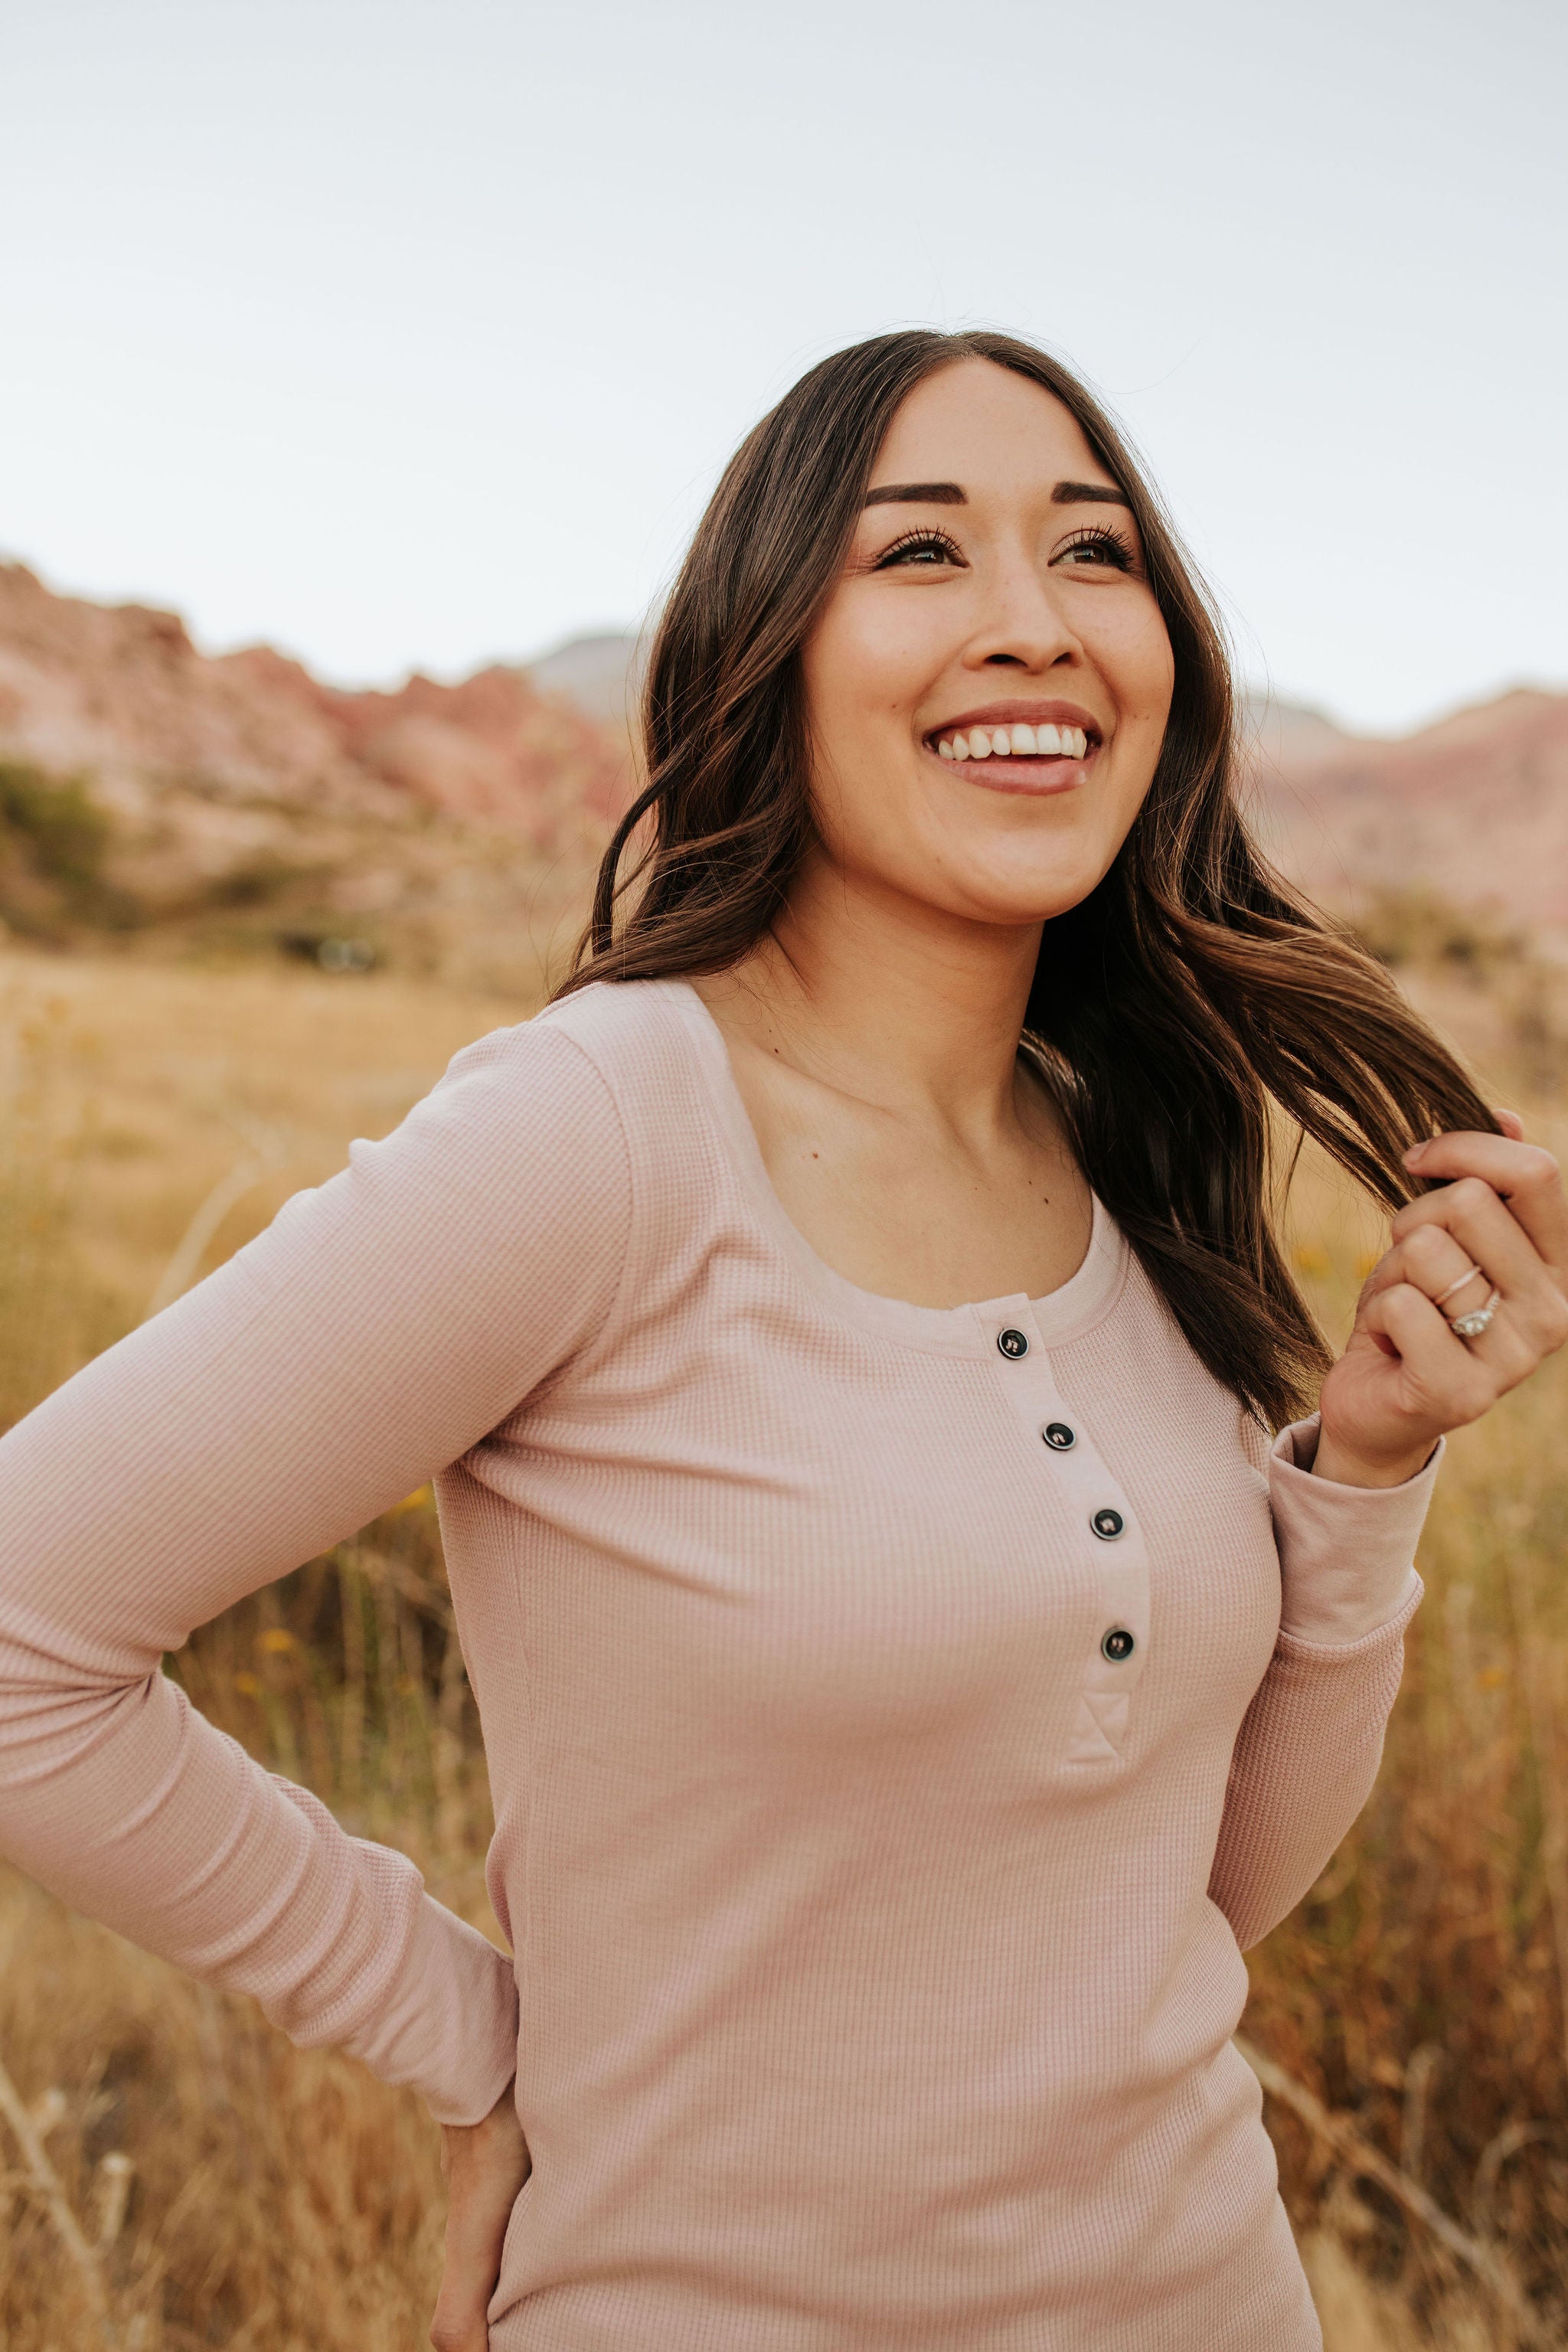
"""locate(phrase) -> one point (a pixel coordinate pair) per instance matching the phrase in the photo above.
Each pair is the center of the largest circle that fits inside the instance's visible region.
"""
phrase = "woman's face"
(995, 584)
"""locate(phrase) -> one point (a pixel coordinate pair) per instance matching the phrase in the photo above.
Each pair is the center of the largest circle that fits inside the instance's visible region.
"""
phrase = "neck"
(893, 1001)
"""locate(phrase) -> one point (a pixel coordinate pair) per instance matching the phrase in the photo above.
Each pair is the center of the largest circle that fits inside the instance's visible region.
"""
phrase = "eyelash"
(1118, 550)
(922, 537)
(1104, 536)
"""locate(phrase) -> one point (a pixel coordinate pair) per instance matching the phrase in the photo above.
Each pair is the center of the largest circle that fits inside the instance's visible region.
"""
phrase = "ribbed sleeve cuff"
(1346, 1553)
(449, 2027)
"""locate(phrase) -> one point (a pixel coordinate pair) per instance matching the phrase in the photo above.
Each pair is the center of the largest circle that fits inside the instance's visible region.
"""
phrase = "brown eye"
(919, 550)
(1099, 548)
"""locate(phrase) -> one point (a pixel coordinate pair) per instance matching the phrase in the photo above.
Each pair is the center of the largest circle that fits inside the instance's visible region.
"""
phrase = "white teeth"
(1043, 742)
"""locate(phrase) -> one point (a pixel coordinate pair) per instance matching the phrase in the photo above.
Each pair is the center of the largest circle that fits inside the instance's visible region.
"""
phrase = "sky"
(416, 335)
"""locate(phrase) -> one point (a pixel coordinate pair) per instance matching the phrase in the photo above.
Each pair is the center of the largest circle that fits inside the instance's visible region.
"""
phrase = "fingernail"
(1414, 1154)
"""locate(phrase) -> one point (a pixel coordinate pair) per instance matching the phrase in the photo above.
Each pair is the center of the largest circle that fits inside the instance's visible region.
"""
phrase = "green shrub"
(55, 841)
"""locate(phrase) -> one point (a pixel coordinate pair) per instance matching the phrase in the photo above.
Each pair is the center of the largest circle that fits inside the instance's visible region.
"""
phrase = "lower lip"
(1037, 777)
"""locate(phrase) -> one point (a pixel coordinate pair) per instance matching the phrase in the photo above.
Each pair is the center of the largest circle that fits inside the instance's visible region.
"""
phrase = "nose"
(1022, 625)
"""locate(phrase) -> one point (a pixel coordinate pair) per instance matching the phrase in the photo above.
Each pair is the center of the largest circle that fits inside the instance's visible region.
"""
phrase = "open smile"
(1025, 747)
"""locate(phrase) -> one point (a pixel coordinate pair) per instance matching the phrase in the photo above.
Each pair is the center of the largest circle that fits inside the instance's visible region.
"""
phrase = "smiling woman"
(846, 1334)
(827, 638)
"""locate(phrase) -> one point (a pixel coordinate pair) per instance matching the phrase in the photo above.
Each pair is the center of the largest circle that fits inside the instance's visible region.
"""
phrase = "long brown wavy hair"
(1192, 1011)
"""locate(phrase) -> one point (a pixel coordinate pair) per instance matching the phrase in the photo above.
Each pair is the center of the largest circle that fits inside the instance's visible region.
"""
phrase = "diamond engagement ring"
(1471, 1325)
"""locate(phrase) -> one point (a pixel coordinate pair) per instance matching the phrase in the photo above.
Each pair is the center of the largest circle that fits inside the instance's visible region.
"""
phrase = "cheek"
(856, 677)
(1164, 675)
(865, 667)
(1151, 671)
(838, 687)
(1129, 647)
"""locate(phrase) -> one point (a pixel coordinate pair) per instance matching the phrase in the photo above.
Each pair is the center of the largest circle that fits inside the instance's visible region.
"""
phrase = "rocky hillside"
(1473, 810)
(145, 785)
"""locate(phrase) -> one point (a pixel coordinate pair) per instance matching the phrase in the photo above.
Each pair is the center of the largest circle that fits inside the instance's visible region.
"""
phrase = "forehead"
(980, 424)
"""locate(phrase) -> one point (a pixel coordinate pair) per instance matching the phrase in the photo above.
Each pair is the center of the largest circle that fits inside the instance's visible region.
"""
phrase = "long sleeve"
(375, 1333)
(1309, 1746)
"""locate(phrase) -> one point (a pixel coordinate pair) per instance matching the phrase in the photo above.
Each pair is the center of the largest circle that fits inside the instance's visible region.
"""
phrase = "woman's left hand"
(1406, 1376)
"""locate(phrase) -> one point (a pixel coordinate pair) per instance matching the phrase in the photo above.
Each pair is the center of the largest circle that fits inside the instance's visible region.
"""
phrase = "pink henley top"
(898, 1719)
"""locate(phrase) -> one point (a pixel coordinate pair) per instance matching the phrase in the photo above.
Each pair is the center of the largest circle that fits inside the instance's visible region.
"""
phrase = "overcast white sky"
(410, 333)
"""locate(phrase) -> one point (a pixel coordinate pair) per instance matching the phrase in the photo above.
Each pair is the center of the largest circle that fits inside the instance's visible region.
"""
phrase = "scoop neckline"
(969, 1329)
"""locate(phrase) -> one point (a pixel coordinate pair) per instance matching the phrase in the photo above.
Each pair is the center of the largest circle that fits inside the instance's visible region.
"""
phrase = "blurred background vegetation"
(225, 2188)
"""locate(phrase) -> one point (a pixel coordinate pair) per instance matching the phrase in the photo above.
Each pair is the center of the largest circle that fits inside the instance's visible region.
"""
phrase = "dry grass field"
(174, 2175)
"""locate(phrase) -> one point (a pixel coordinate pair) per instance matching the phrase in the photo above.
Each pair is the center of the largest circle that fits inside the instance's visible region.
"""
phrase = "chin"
(1041, 861)
(1030, 897)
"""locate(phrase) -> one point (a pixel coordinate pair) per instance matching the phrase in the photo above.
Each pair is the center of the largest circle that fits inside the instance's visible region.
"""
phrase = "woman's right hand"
(1498, 1221)
(485, 2165)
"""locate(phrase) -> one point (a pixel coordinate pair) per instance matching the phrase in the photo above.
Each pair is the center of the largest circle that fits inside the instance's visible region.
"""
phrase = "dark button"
(1108, 1525)
(1013, 1343)
(1117, 1644)
(1059, 1437)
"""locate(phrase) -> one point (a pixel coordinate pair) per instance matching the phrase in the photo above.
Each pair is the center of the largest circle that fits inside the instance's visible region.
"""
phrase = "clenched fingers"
(1490, 1242)
(1510, 1241)
(1525, 1180)
(1446, 1382)
(1456, 1279)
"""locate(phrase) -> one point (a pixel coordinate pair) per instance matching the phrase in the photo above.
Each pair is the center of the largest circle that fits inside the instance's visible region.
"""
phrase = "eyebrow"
(950, 494)
(1078, 494)
(917, 494)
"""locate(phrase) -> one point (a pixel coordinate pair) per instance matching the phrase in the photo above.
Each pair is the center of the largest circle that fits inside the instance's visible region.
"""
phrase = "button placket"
(1112, 1539)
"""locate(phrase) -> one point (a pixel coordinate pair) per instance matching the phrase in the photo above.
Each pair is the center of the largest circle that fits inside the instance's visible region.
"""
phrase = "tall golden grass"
(174, 2175)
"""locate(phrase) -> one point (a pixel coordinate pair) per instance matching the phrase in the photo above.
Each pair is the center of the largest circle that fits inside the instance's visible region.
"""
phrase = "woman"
(901, 1710)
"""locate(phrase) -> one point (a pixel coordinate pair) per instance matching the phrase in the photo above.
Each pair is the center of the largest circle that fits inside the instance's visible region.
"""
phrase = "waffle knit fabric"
(878, 1823)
